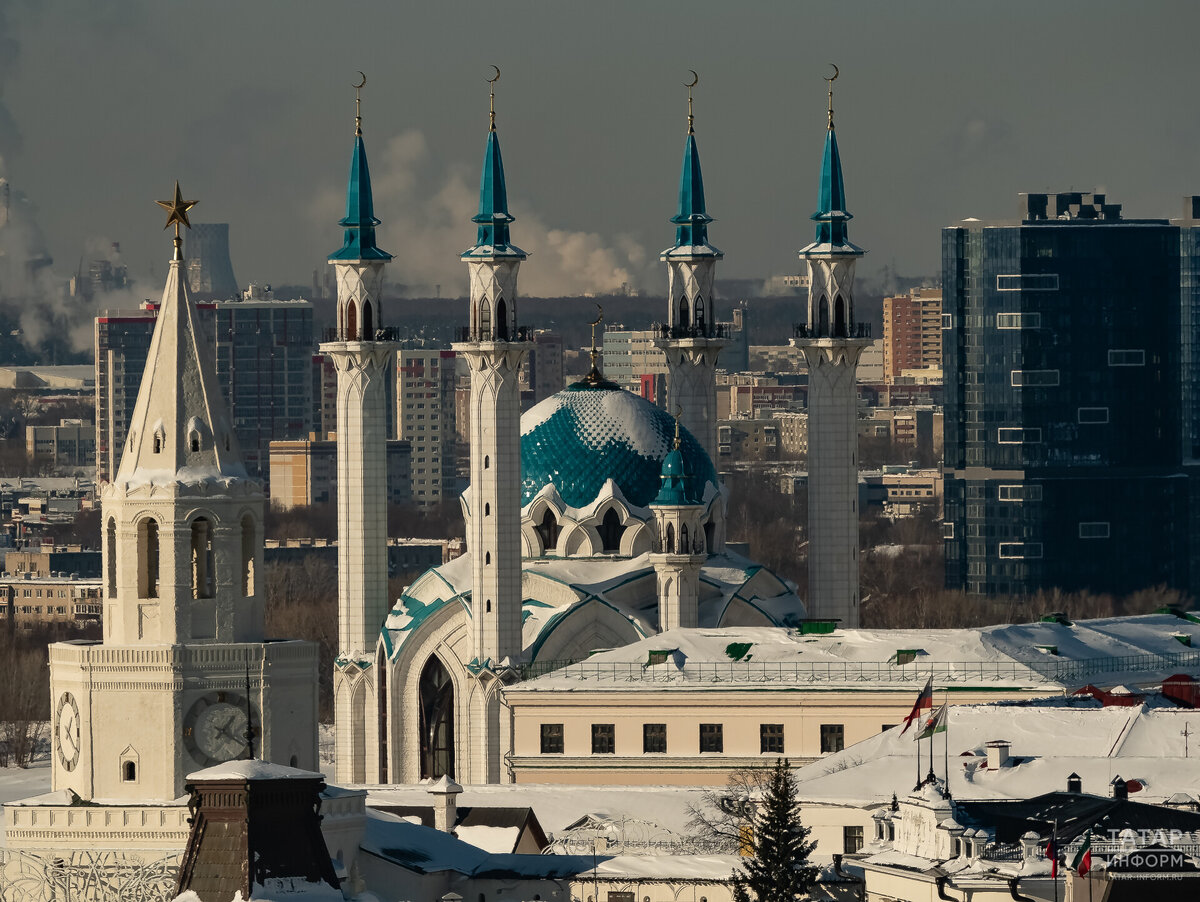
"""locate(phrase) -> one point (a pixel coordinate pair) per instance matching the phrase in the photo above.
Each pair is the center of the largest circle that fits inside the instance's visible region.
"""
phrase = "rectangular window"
(1015, 436)
(770, 738)
(1028, 282)
(654, 738)
(1034, 378)
(712, 737)
(1018, 320)
(1094, 530)
(1092, 415)
(833, 737)
(852, 839)
(1021, 551)
(1126, 357)
(604, 739)
(1019, 492)
(552, 739)
(947, 320)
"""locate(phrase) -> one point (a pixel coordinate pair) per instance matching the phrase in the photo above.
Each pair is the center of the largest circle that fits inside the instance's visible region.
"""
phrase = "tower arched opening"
(501, 320)
(823, 317)
(351, 322)
(669, 543)
(203, 578)
(436, 698)
(839, 318)
(684, 546)
(110, 552)
(368, 321)
(683, 313)
(249, 536)
(148, 558)
(611, 531)
(547, 531)
(485, 320)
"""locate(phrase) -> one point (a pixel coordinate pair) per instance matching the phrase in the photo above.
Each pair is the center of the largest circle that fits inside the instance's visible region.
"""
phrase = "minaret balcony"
(722, 331)
(331, 334)
(855, 331)
(467, 334)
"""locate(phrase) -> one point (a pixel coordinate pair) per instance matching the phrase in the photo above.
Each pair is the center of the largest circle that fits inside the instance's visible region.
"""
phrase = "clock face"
(66, 731)
(214, 729)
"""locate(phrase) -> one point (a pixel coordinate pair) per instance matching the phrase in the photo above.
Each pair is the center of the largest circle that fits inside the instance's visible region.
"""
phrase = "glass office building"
(1065, 419)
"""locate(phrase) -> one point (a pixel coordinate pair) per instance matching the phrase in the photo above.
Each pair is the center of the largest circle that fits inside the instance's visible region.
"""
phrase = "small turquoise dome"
(586, 434)
(675, 482)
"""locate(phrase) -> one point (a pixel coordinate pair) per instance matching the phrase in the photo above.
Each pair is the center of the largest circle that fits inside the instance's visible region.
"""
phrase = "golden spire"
(492, 98)
(831, 79)
(177, 210)
(678, 414)
(689, 85)
(594, 376)
(358, 105)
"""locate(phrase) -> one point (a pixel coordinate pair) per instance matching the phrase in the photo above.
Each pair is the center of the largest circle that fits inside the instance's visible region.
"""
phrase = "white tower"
(494, 348)
(690, 338)
(679, 547)
(362, 354)
(832, 342)
(183, 678)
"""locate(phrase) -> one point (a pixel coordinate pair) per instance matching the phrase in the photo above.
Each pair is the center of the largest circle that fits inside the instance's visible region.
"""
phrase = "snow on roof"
(253, 770)
(1051, 738)
(1135, 650)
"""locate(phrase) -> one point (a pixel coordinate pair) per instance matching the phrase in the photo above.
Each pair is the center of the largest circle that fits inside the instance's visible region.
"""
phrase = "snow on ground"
(17, 783)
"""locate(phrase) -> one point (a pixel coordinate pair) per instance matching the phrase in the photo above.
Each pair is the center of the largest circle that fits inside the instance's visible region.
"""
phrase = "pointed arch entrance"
(436, 699)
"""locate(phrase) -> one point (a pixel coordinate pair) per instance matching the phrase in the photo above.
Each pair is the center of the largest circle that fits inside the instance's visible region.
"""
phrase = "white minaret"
(832, 342)
(690, 337)
(679, 546)
(182, 679)
(363, 355)
(494, 348)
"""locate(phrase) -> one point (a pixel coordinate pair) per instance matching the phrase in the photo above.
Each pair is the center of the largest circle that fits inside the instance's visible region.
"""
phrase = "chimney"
(1074, 783)
(1120, 789)
(997, 753)
(445, 803)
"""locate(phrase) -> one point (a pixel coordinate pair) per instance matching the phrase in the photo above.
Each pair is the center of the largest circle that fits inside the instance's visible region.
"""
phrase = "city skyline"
(267, 105)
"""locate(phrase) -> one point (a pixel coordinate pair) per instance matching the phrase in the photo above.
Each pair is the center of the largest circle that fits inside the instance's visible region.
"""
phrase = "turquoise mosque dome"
(595, 431)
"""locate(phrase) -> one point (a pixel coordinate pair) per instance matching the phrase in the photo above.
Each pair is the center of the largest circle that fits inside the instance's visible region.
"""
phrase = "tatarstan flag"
(924, 702)
(1082, 862)
(935, 723)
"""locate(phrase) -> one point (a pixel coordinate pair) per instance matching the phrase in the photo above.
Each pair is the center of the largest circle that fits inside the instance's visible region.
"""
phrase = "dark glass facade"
(1064, 418)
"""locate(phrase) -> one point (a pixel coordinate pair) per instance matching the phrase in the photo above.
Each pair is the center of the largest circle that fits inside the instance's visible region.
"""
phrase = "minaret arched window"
(249, 537)
(110, 551)
(684, 548)
(710, 530)
(501, 320)
(839, 317)
(203, 579)
(610, 531)
(698, 314)
(485, 320)
(683, 313)
(368, 322)
(435, 695)
(548, 531)
(669, 545)
(351, 322)
(148, 558)
(823, 317)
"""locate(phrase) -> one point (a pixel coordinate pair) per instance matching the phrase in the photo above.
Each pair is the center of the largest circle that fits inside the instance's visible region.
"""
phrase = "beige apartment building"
(305, 472)
(71, 445)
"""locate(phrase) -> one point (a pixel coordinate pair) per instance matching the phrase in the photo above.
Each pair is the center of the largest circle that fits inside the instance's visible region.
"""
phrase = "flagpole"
(1054, 864)
(946, 742)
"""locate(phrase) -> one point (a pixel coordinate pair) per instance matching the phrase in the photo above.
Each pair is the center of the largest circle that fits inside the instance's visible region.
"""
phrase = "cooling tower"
(209, 269)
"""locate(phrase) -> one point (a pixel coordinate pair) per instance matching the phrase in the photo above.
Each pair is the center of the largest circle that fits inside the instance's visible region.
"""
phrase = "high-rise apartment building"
(912, 332)
(425, 419)
(630, 354)
(263, 350)
(1064, 422)
(545, 365)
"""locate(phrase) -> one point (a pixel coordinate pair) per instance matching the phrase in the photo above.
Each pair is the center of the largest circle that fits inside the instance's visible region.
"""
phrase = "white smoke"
(428, 230)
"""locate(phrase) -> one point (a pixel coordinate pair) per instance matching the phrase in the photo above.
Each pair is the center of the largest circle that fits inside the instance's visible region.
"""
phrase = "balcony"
(465, 333)
(391, 333)
(856, 330)
(699, 330)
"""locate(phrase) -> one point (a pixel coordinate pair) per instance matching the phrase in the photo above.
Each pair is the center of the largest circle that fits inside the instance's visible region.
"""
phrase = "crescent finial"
(495, 78)
(362, 83)
(836, 73)
(831, 79)
(695, 79)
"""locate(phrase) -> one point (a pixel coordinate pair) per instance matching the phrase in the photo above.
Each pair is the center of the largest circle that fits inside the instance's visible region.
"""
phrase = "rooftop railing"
(856, 330)
(391, 333)
(466, 333)
(700, 330)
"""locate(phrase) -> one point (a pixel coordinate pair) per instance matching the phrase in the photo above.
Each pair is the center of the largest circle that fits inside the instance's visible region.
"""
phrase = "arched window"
(368, 322)
(610, 531)
(351, 322)
(249, 540)
(683, 313)
(148, 558)
(203, 580)
(501, 320)
(823, 317)
(548, 531)
(487, 557)
(669, 547)
(485, 320)
(710, 529)
(698, 313)
(436, 698)
(194, 441)
(158, 443)
(839, 317)
(486, 462)
(110, 550)
(381, 702)
(129, 771)
(684, 547)
(487, 509)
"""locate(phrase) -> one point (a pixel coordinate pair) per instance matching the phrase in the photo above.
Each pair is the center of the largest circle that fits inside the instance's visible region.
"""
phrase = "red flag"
(924, 702)
(1052, 854)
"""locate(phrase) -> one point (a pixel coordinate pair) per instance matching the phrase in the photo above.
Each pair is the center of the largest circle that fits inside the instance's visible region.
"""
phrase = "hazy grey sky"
(944, 110)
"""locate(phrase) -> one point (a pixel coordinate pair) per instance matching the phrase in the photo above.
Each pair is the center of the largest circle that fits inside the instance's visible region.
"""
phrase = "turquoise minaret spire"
(831, 216)
(691, 232)
(359, 221)
(493, 217)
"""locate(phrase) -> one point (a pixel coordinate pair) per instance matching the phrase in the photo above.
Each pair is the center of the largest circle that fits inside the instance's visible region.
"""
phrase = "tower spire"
(358, 242)
(692, 219)
(492, 237)
(832, 216)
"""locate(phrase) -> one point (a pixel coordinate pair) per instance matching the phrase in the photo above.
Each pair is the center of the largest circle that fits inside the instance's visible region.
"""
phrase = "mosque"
(593, 521)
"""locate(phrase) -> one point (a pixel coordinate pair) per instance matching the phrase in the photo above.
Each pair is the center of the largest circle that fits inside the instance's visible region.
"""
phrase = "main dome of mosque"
(589, 433)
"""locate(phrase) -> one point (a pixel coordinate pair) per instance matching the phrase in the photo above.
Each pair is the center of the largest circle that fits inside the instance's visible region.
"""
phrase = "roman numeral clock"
(66, 731)
(217, 728)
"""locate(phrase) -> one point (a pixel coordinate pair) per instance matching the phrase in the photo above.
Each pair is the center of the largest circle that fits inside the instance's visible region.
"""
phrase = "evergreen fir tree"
(777, 869)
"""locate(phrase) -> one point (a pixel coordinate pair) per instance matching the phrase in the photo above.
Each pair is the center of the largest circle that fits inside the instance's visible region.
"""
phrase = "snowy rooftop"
(253, 770)
(1050, 739)
(1136, 650)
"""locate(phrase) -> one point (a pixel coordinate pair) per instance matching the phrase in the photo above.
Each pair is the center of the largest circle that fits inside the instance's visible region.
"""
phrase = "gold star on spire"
(177, 210)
